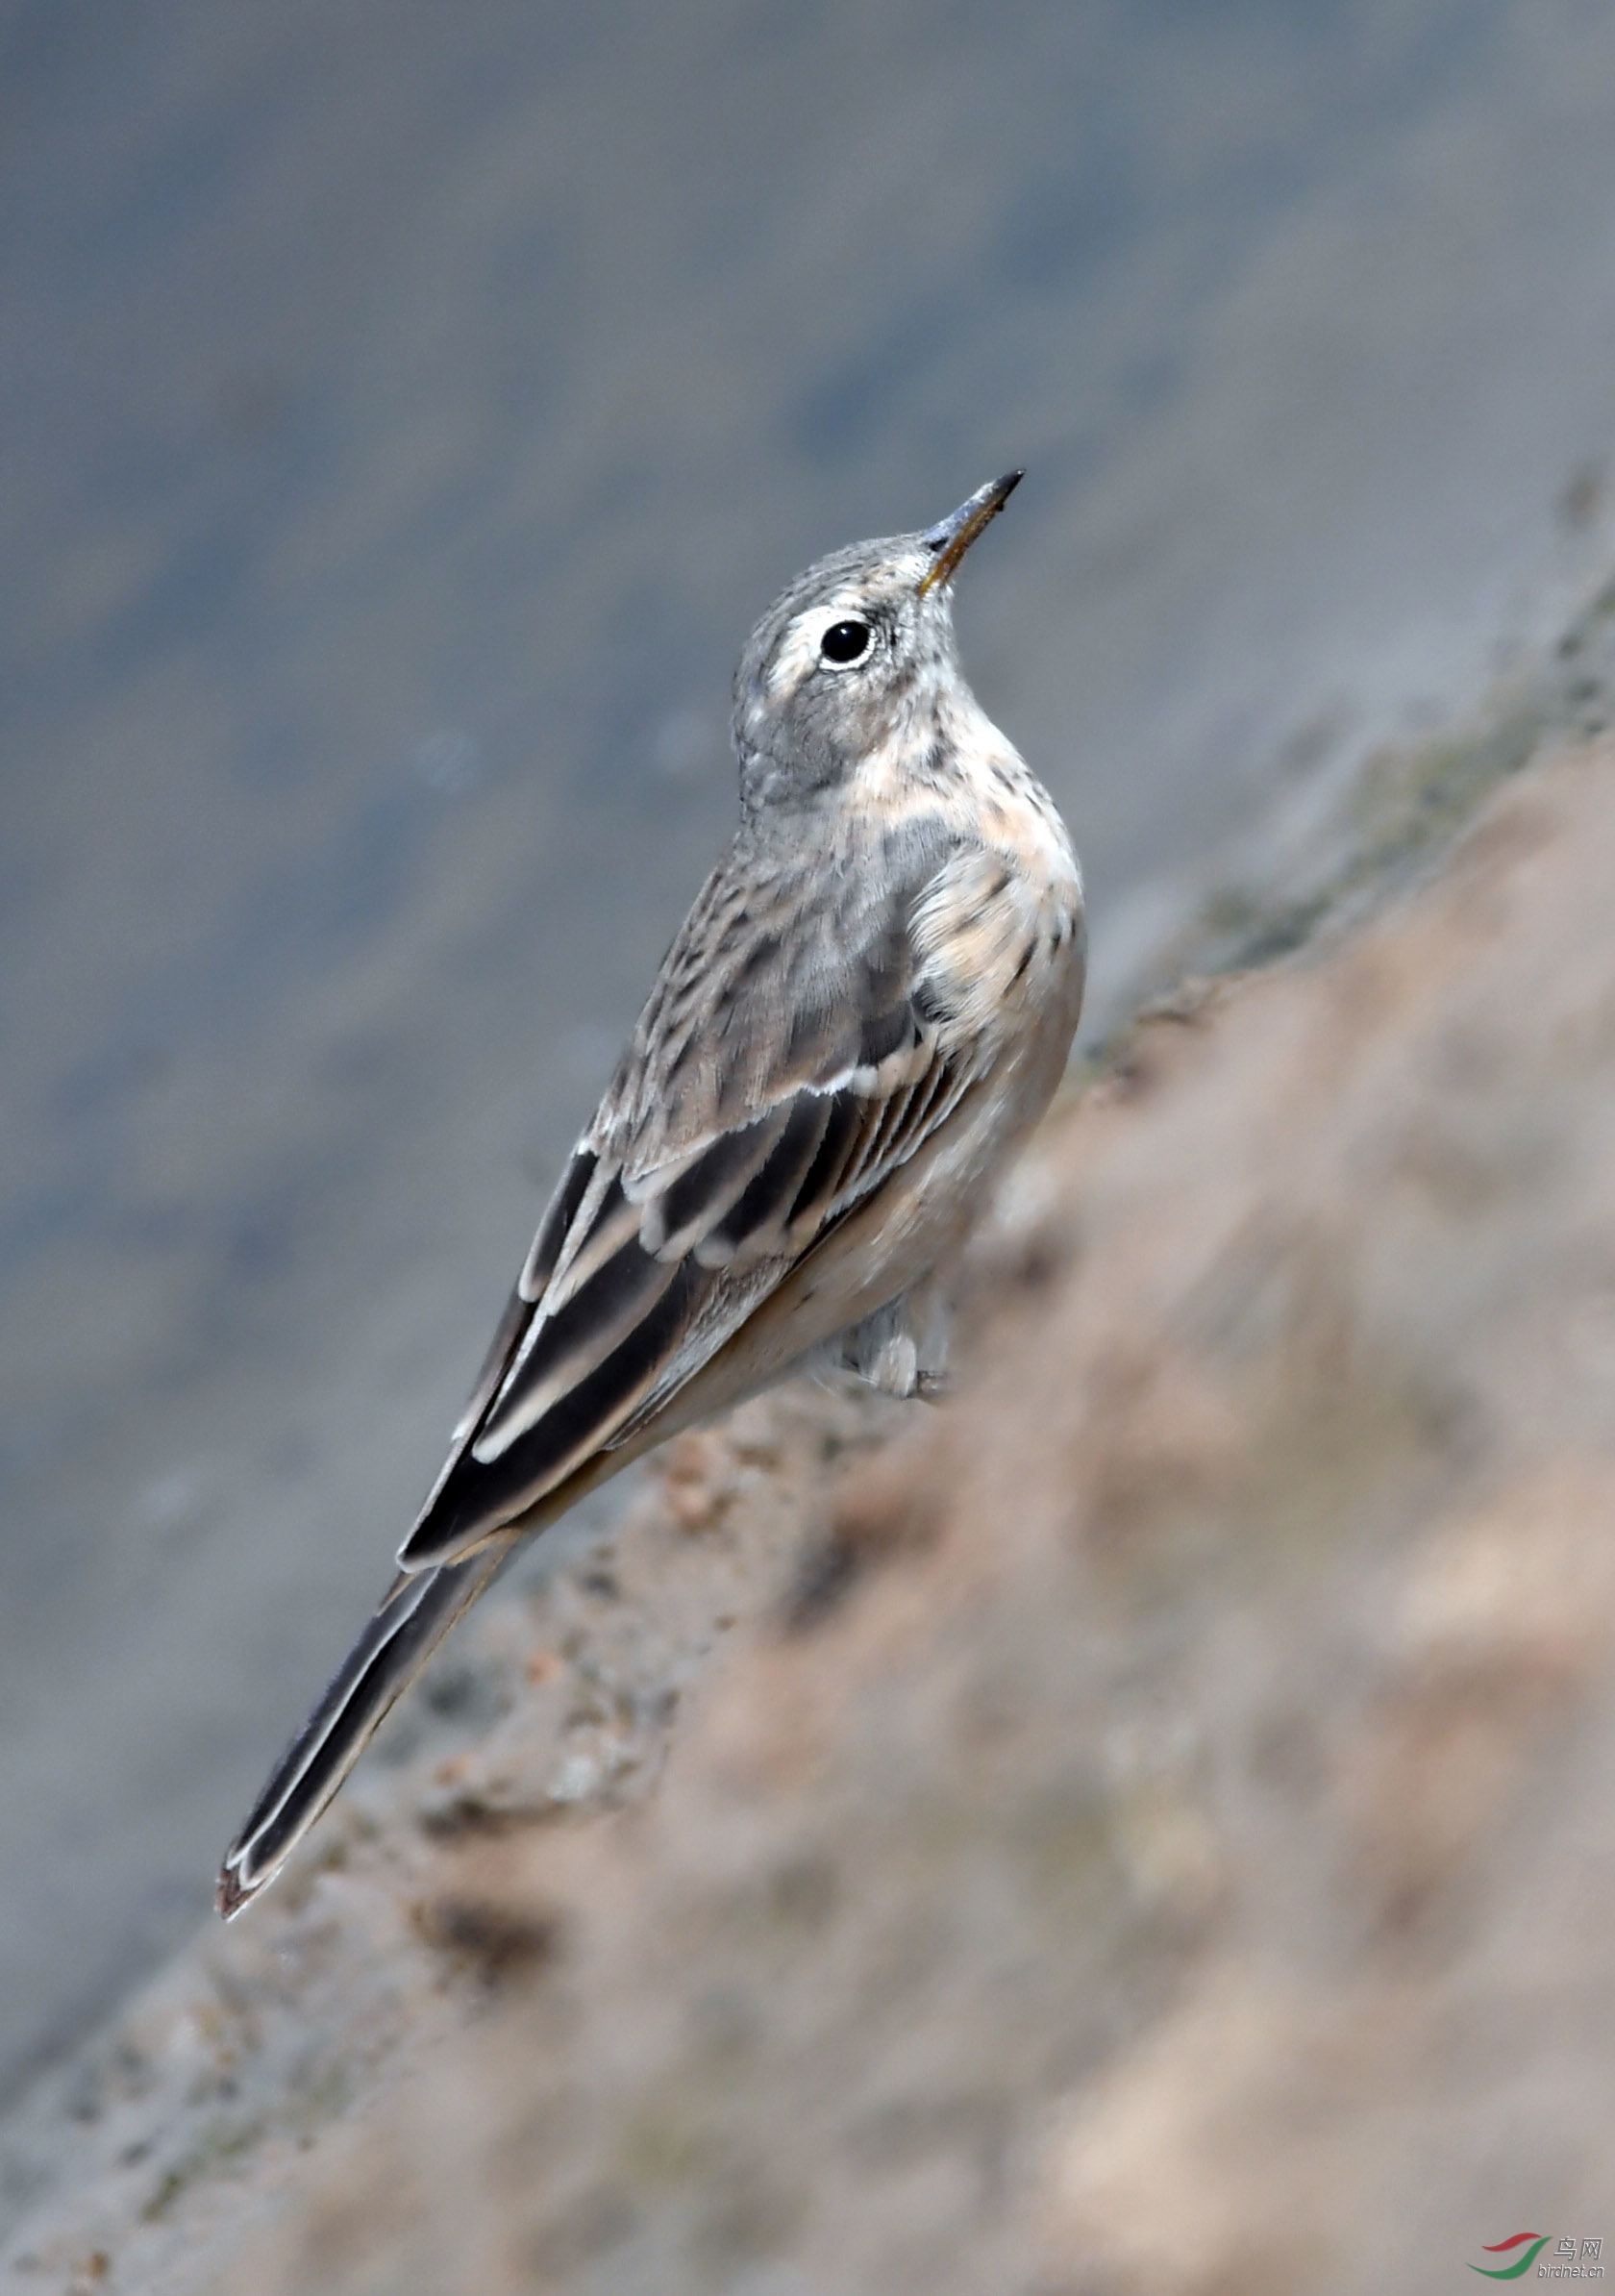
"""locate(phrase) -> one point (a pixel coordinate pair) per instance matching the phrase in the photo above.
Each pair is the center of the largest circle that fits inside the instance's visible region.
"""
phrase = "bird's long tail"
(418, 1611)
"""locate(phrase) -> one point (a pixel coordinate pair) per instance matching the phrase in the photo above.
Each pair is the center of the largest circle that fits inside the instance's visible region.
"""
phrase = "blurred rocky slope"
(1146, 1827)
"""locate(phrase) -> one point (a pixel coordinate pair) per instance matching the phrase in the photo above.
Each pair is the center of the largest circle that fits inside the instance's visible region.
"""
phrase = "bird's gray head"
(855, 657)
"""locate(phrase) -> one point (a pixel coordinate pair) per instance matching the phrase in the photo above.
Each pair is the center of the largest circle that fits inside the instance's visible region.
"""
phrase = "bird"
(867, 1008)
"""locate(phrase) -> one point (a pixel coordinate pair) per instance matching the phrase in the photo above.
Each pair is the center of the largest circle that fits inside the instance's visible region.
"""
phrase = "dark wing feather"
(487, 1491)
(843, 1122)
(763, 1206)
(680, 1214)
(513, 1325)
(556, 1225)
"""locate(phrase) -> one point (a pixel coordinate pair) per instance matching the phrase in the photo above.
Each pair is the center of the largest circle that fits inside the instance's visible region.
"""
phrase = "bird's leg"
(902, 1348)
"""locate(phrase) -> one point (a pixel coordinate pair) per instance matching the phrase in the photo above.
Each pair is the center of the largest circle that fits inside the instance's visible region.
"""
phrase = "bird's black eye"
(845, 642)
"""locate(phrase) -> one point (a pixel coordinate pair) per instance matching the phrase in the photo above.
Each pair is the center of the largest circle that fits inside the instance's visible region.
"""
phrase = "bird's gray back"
(794, 969)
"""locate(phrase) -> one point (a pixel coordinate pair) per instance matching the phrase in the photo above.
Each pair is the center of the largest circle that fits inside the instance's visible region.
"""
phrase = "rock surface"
(1149, 1827)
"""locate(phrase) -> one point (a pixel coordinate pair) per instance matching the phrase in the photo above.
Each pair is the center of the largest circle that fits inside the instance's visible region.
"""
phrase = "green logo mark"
(1522, 2264)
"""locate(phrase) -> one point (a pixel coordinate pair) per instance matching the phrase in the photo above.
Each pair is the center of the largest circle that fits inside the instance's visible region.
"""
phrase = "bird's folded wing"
(657, 1245)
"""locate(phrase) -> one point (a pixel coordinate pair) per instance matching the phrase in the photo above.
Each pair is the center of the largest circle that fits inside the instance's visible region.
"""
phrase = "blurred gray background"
(406, 410)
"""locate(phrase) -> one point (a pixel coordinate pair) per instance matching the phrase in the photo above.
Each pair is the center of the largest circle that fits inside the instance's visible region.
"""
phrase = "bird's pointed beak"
(952, 537)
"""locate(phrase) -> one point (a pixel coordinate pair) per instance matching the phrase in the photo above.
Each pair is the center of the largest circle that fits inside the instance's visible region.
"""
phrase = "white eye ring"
(846, 642)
